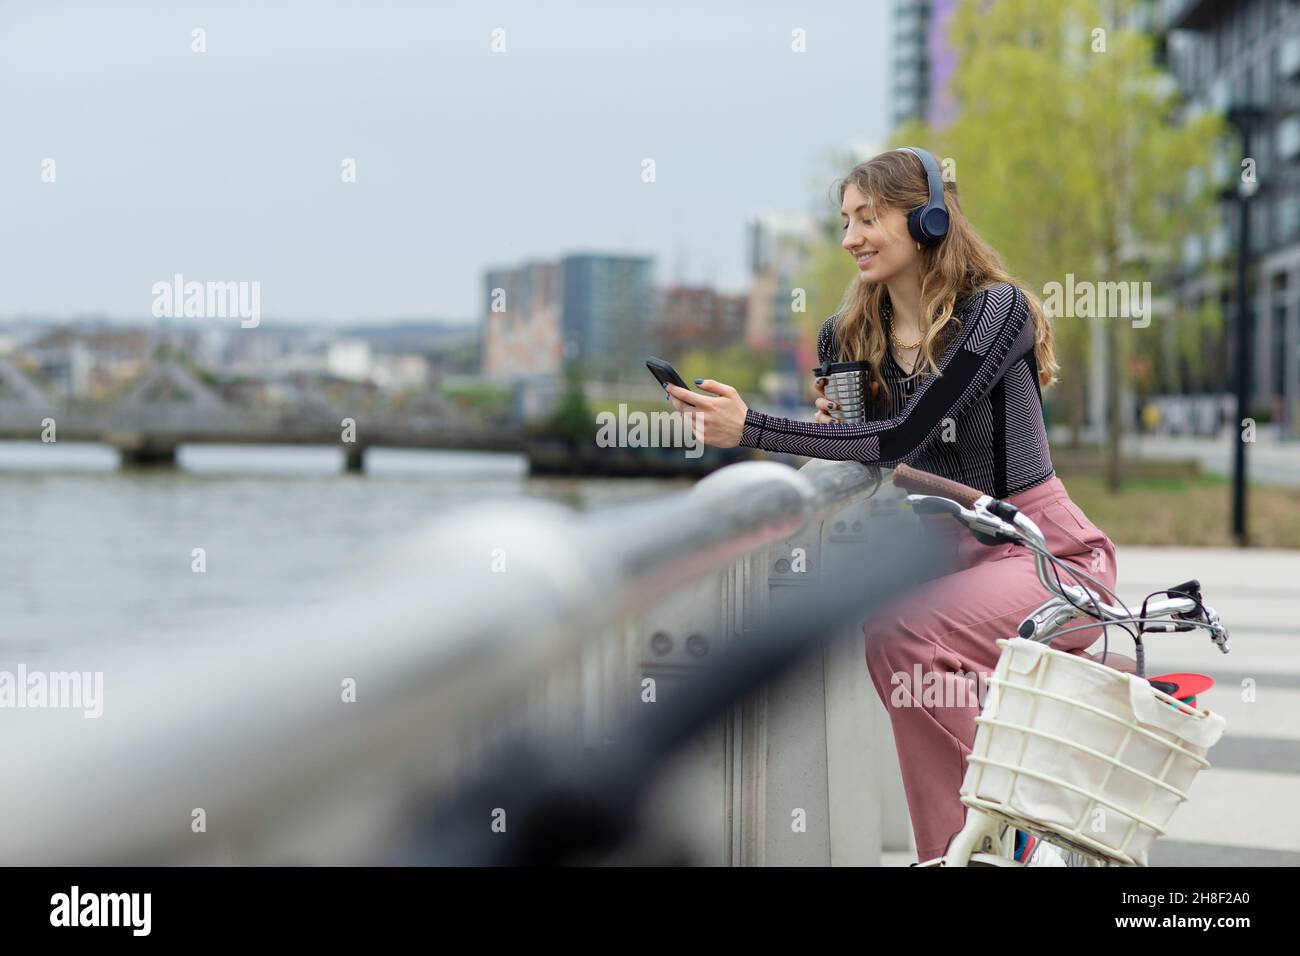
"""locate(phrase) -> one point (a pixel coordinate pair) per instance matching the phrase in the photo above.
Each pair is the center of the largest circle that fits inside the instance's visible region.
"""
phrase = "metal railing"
(311, 737)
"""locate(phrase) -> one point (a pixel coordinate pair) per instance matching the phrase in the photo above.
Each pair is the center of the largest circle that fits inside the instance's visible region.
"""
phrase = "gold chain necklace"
(887, 313)
(902, 345)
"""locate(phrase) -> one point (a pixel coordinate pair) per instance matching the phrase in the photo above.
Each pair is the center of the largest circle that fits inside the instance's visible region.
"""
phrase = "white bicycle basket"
(1083, 754)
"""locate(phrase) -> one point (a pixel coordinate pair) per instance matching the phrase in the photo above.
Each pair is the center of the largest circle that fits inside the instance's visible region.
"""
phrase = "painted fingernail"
(699, 381)
(831, 404)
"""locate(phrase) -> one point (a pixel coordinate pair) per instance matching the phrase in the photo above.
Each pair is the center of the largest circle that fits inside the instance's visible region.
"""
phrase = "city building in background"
(1226, 56)
(923, 61)
(522, 326)
(690, 317)
(779, 249)
(348, 358)
(84, 364)
(608, 312)
(596, 310)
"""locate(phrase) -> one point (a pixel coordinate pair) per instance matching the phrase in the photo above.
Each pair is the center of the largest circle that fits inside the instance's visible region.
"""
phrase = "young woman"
(959, 355)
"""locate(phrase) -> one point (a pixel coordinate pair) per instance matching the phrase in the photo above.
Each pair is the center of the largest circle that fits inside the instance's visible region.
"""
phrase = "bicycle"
(1081, 752)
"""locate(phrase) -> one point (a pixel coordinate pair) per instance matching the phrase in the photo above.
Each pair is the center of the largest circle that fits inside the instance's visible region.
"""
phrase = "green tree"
(573, 418)
(734, 365)
(829, 271)
(1071, 156)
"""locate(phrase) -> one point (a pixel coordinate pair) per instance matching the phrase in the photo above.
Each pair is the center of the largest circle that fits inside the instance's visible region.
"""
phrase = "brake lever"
(1208, 616)
(1218, 633)
(933, 504)
(997, 537)
(987, 527)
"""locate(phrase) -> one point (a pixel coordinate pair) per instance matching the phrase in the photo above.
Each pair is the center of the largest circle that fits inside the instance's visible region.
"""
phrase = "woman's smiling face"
(876, 236)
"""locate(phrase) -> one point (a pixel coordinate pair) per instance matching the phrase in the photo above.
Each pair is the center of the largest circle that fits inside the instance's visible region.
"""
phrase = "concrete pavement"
(1243, 809)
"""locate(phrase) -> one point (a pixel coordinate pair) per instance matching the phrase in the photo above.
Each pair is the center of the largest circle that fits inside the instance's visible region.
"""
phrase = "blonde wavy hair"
(957, 267)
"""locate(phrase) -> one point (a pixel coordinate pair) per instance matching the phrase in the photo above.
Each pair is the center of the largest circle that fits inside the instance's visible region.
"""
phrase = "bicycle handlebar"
(1001, 520)
(914, 479)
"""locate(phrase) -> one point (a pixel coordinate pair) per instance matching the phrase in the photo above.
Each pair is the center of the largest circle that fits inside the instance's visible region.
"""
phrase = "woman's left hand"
(717, 419)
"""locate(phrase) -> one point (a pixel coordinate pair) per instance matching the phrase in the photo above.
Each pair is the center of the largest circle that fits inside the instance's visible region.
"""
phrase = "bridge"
(169, 406)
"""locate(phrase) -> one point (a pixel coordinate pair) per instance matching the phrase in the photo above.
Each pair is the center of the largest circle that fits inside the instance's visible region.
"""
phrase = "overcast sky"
(226, 165)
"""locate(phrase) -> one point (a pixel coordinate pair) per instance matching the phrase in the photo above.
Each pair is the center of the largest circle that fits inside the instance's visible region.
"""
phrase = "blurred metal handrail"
(254, 732)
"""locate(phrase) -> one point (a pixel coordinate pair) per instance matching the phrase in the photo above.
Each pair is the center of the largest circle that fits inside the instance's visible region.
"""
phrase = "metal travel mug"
(848, 385)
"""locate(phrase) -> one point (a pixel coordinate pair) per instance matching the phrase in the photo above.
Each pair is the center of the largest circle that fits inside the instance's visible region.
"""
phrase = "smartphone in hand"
(664, 372)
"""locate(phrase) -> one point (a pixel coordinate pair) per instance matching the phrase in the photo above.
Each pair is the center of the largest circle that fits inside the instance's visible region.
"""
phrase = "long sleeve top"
(979, 422)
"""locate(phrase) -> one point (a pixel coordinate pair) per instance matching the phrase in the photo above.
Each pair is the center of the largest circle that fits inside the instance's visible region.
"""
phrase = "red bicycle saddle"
(1185, 686)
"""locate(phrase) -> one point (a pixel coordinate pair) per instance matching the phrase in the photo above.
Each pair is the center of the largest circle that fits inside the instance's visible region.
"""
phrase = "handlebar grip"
(922, 482)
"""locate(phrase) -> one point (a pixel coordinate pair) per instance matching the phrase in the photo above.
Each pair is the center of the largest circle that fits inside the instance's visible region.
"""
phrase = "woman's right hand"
(824, 405)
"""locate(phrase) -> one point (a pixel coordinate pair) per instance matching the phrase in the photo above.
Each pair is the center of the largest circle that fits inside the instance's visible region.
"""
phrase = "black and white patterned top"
(980, 421)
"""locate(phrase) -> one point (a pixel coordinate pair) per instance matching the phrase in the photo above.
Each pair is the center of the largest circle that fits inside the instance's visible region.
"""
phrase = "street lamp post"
(1242, 118)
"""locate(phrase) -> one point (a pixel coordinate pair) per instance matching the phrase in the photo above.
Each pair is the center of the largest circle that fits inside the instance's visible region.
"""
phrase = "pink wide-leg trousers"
(946, 628)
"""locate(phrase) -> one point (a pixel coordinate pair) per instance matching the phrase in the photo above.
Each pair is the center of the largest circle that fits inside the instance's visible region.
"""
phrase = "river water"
(93, 558)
